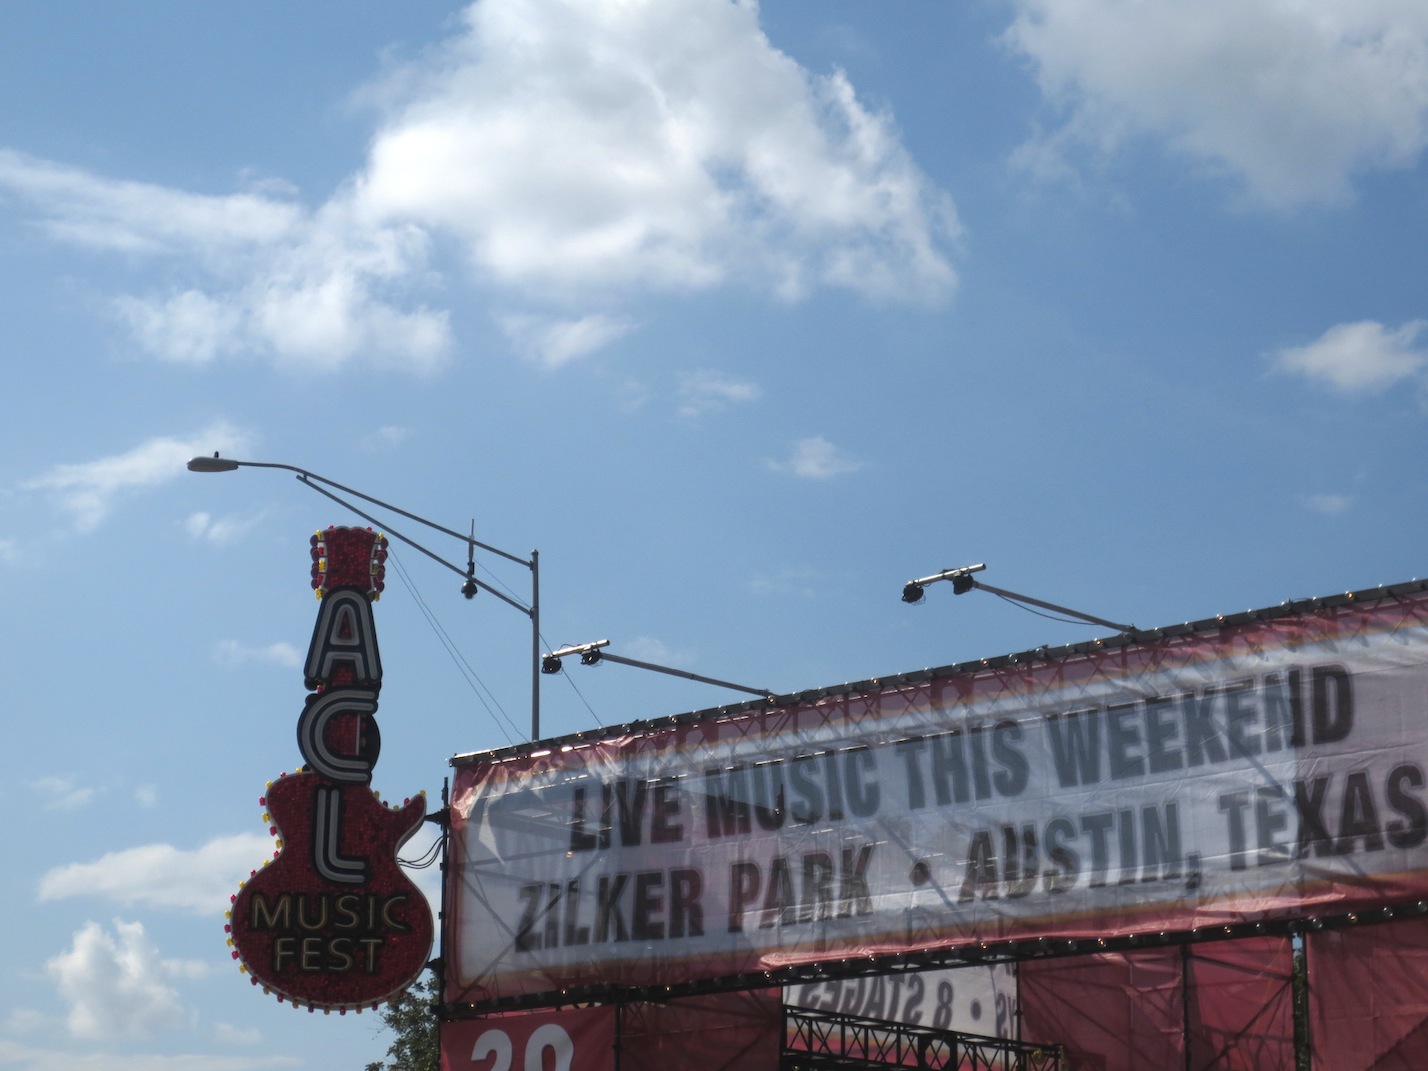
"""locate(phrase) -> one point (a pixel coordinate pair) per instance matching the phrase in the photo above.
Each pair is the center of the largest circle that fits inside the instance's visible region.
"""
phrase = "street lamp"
(469, 586)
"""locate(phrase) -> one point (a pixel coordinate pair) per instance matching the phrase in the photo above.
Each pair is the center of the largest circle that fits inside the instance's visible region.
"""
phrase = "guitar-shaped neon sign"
(331, 921)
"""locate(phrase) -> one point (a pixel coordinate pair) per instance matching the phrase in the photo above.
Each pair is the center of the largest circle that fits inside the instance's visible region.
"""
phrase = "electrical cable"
(571, 681)
(428, 857)
(463, 667)
(494, 581)
(1038, 613)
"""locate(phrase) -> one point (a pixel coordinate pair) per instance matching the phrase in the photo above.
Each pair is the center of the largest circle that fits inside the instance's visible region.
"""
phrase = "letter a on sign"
(344, 636)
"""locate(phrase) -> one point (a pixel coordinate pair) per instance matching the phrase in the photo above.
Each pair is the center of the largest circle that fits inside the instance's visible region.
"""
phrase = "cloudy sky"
(742, 315)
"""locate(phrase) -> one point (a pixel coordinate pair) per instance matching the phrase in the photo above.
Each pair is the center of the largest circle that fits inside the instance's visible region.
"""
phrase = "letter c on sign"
(312, 728)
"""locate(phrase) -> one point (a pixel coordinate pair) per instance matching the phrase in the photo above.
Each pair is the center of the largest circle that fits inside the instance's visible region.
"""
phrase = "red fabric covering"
(1241, 1011)
(1117, 1012)
(1368, 997)
(1112, 1012)
(720, 1032)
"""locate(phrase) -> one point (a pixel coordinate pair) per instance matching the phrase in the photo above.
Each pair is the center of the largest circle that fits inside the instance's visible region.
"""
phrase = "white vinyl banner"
(979, 999)
(1257, 770)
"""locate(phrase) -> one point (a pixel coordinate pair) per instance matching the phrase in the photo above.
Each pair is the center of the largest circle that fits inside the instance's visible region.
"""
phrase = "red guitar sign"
(331, 921)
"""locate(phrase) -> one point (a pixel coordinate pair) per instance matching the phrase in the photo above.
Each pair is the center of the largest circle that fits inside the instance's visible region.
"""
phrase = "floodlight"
(592, 654)
(963, 582)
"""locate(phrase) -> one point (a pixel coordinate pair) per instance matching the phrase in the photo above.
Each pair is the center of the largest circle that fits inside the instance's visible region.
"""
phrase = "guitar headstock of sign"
(331, 921)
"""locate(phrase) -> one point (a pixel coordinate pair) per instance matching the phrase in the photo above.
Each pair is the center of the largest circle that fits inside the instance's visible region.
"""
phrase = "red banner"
(572, 1039)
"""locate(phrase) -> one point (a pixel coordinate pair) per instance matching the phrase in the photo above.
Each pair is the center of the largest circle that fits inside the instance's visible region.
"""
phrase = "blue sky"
(741, 315)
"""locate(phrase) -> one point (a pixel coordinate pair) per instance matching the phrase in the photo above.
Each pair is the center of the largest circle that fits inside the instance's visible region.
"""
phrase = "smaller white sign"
(970, 1000)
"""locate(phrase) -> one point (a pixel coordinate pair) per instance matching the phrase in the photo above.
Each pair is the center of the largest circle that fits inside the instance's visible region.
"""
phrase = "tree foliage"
(412, 1018)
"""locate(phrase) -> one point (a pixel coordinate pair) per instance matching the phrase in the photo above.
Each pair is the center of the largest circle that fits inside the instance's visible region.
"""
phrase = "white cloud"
(662, 144)
(633, 396)
(1360, 357)
(570, 150)
(1329, 505)
(800, 582)
(61, 793)
(118, 986)
(816, 458)
(27, 1021)
(228, 1034)
(554, 342)
(311, 288)
(707, 392)
(88, 489)
(146, 795)
(233, 653)
(136, 217)
(190, 328)
(222, 531)
(1291, 97)
(160, 875)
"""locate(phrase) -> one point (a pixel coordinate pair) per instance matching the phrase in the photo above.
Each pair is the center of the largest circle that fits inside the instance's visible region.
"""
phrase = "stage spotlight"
(550, 664)
(470, 588)
(590, 658)
(913, 590)
(962, 582)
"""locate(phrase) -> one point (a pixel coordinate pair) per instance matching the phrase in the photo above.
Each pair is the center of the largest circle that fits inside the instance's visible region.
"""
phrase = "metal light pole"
(470, 585)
